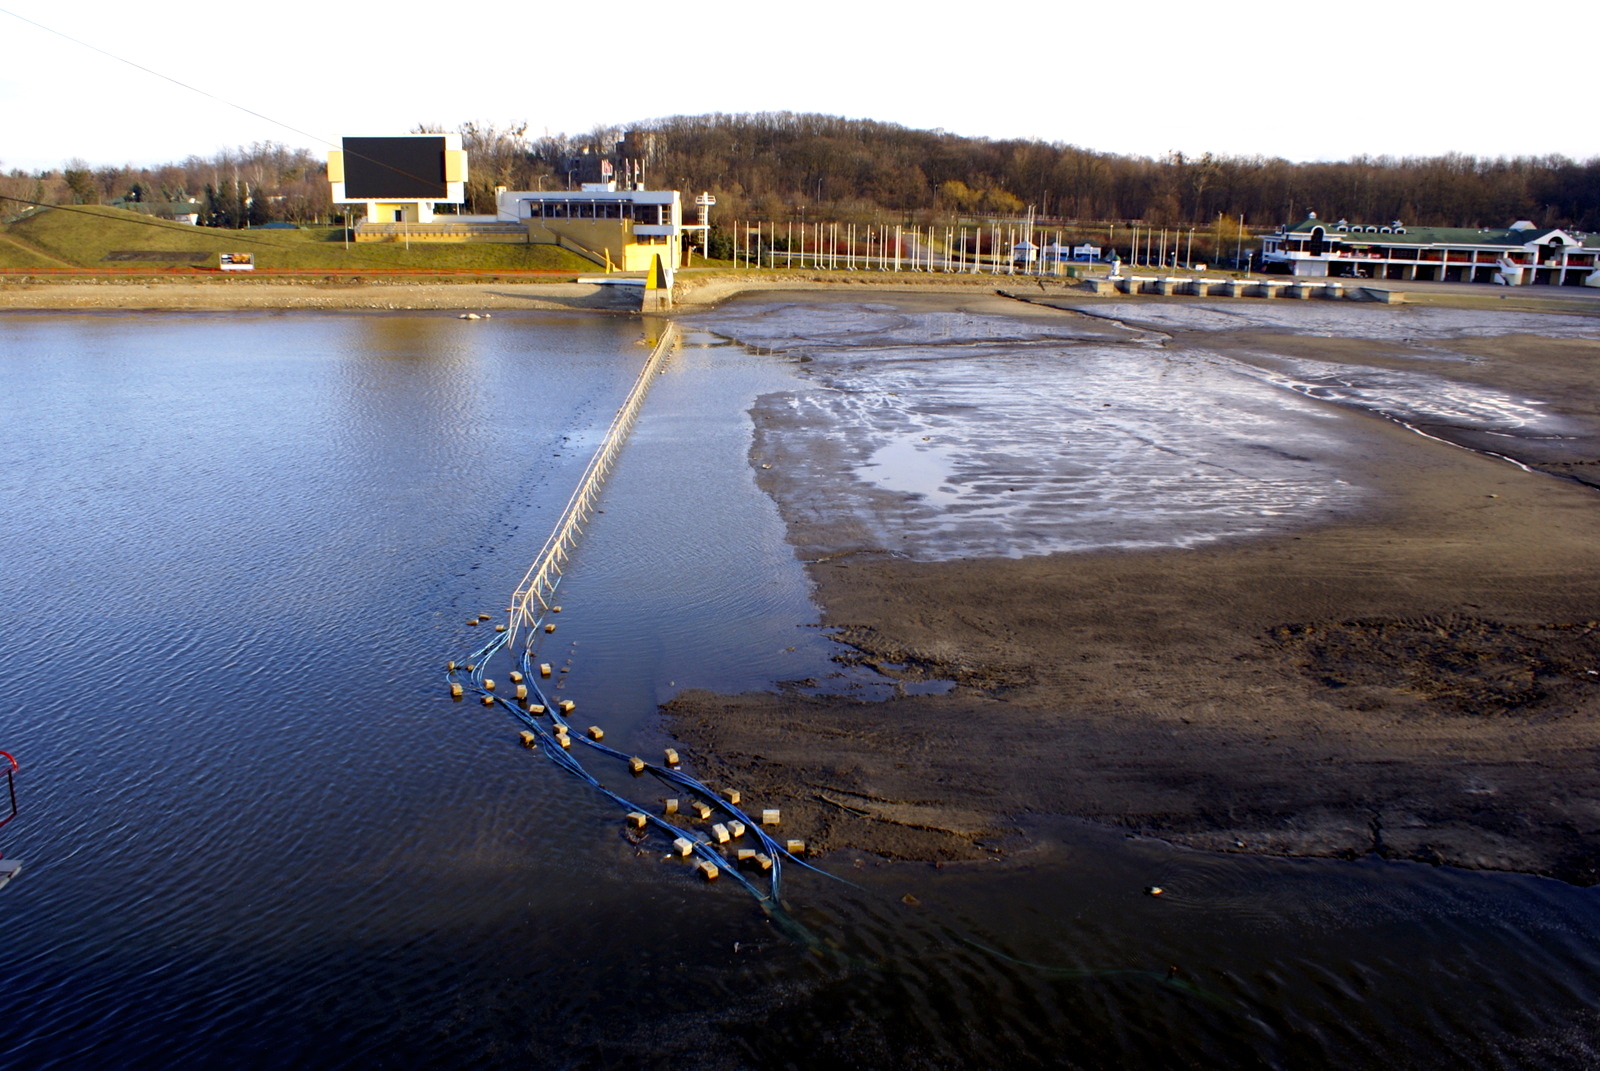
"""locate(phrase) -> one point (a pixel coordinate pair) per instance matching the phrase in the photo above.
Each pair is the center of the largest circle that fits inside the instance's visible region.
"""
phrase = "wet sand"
(1417, 677)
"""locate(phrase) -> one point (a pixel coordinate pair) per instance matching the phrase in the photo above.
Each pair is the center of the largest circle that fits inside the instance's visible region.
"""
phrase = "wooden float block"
(671, 757)
(516, 678)
(488, 686)
(549, 628)
(637, 819)
(564, 740)
(544, 669)
(636, 765)
(720, 832)
(736, 827)
(558, 727)
(669, 807)
(708, 870)
(763, 860)
(535, 708)
(795, 847)
(455, 691)
(488, 700)
(472, 620)
(684, 847)
(596, 733)
(769, 817)
(499, 628)
(566, 706)
(702, 809)
(522, 691)
(528, 739)
(731, 795)
(746, 855)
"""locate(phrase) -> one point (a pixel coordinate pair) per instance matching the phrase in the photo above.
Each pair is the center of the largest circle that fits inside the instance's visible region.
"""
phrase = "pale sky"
(1303, 81)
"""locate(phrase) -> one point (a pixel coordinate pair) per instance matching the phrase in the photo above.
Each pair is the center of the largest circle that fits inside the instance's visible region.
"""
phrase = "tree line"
(783, 166)
(248, 185)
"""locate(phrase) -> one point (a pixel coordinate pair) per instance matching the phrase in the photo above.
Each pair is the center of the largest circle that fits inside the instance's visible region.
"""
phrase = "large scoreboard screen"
(400, 168)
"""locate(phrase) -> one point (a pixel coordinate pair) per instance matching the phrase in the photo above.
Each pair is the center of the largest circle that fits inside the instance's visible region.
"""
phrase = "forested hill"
(784, 166)
(769, 164)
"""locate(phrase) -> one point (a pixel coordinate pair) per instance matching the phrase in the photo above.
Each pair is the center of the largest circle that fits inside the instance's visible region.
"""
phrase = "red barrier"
(486, 273)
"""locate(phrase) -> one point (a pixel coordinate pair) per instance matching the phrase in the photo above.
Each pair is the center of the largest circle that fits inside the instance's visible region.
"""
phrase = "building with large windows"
(1513, 256)
(624, 229)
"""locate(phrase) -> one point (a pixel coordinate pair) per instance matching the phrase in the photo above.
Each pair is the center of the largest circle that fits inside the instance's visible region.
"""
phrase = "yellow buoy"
(516, 678)
(702, 809)
(535, 708)
(522, 691)
(544, 669)
(636, 765)
(596, 733)
(488, 686)
(488, 700)
(564, 740)
(472, 620)
(528, 739)
(499, 628)
(451, 666)
(567, 706)
(455, 691)
(672, 757)
(549, 628)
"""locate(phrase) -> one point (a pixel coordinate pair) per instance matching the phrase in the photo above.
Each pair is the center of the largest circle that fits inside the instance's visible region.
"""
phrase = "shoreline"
(696, 290)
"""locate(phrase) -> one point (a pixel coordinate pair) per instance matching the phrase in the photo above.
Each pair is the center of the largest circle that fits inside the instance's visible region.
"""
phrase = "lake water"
(239, 549)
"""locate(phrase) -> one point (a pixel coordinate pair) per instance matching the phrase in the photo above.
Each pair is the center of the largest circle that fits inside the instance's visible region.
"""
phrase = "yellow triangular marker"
(656, 278)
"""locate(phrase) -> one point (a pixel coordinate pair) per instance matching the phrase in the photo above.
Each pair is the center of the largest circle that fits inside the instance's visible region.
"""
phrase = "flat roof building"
(1512, 256)
(623, 229)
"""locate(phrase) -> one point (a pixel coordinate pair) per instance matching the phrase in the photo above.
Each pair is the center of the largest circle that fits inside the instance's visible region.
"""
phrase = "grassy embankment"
(85, 236)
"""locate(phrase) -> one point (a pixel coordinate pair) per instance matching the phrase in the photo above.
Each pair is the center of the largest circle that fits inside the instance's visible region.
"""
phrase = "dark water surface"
(238, 549)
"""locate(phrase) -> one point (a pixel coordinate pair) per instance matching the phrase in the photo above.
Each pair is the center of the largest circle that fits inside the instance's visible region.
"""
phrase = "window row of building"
(588, 208)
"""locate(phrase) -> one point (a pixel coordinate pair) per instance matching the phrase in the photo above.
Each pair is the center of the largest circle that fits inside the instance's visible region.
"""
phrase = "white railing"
(532, 599)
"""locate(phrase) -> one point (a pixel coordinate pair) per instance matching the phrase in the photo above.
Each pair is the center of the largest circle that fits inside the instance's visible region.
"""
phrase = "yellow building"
(621, 229)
